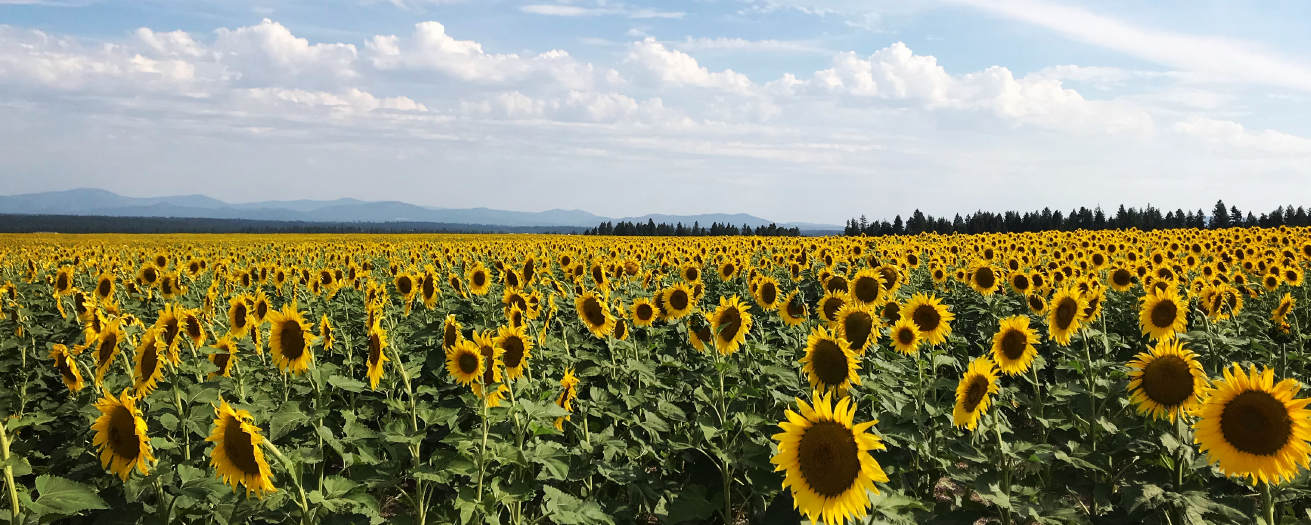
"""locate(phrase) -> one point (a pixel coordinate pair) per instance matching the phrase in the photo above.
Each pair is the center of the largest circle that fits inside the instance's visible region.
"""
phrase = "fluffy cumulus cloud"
(676, 68)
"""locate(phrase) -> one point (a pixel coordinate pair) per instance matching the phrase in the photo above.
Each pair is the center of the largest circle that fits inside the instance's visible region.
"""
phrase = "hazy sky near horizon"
(792, 110)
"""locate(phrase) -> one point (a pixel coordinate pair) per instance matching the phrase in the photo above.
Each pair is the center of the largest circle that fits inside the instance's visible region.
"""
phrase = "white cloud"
(431, 49)
(676, 68)
(268, 53)
(580, 106)
(1216, 57)
(572, 10)
(1234, 135)
(346, 103)
(743, 45)
(32, 57)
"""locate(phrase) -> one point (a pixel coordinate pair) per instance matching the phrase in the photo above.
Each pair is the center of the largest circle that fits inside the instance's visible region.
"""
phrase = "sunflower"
(106, 348)
(1163, 314)
(644, 313)
(517, 347)
(1012, 345)
(1251, 426)
(730, 324)
(931, 316)
(147, 367)
(67, 368)
(290, 340)
(569, 392)
(223, 360)
(1166, 381)
(866, 287)
(121, 435)
(463, 362)
(973, 393)
(793, 309)
(191, 326)
(491, 358)
(105, 286)
(698, 332)
(237, 455)
(169, 286)
(63, 283)
(260, 308)
(983, 278)
(429, 292)
(148, 275)
(239, 316)
(905, 335)
(827, 461)
(1037, 305)
(831, 303)
(858, 326)
(170, 326)
(829, 362)
(1063, 318)
(767, 293)
(451, 332)
(594, 314)
(479, 280)
(728, 270)
(678, 301)
(1280, 313)
(377, 354)
(326, 333)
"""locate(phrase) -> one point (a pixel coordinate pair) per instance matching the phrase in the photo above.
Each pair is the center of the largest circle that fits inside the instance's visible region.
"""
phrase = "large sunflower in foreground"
(973, 394)
(829, 363)
(290, 340)
(67, 368)
(1166, 381)
(237, 455)
(931, 316)
(730, 324)
(518, 348)
(1250, 426)
(121, 435)
(377, 353)
(1163, 313)
(1063, 314)
(827, 461)
(1012, 345)
(594, 314)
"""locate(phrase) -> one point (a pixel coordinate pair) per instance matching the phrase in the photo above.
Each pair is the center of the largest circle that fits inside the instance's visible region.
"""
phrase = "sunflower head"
(793, 309)
(1251, 426)
(290, 339)
(829, 363)
(973, 393)
(866, 287)
(120, 434)
(930, 316)
(1012, 345)
(148, 362)
(644, 313)
(678, 301)
(237, 455)
(1064, 314)
(831, 303)
(594, 314)
(67, 368)
(1166, 381)
(377, 356)
(464, 362)
(905, 336)
(730, 324)
(516, 349)
(858, 325)
(826, 460)
(451, 332)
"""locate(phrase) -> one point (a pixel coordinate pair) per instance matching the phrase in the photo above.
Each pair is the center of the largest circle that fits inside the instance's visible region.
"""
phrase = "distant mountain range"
(106, 203)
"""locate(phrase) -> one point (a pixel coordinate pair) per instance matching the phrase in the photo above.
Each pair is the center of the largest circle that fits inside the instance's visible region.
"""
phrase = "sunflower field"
(1058, 377)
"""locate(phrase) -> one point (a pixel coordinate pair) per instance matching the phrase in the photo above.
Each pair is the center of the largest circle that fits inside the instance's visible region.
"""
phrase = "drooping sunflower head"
(1166, 381)
(594, 314)
(793, 308)
(377, 357)
(1012, 345)
(829, 363)
(451, 332)
(905, 336)
(1280, 312)
(191, 325)
(120, 435)
(973, 393)
(225, 358)
(237, 455)
(516, 349)
(67, 368)
(491, 356)
(290, 339)
(148, 362)
(931, 316)
(826, 460)
(858, 326)
(699, 333)
(1251, 426)
(106, 347)
(730, 323)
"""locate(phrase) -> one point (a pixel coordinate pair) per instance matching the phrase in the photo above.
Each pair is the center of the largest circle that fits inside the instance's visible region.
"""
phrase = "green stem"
(9, 476)
(295, 478)
(1267, 504)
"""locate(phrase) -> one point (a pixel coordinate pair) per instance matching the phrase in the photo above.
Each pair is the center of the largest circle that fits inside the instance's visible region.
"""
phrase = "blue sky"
(794, 110)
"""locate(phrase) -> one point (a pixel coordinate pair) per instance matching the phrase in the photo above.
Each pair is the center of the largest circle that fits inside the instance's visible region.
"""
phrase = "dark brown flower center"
(514, 351)
(975, 393)
(857, 327)
(829, 362)
(1164, 313)
(1168, 381)
(1013, 344)
(122, 433)
(293, 340)
(926, 317)
(1256, 423)
(239, 447)
(828, 458)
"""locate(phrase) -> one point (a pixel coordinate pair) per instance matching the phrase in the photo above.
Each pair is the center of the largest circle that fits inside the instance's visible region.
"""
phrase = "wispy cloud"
(750, 46)
(1217, 58)
(573, 10)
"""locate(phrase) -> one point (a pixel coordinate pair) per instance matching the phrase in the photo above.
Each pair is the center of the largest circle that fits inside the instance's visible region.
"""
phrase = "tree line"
(651, 229)
(1148, 218)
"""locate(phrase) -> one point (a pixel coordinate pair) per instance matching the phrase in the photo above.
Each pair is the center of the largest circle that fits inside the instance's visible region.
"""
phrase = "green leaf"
(347, 384)
(565, 509)
(57, 495)
(689, 505)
